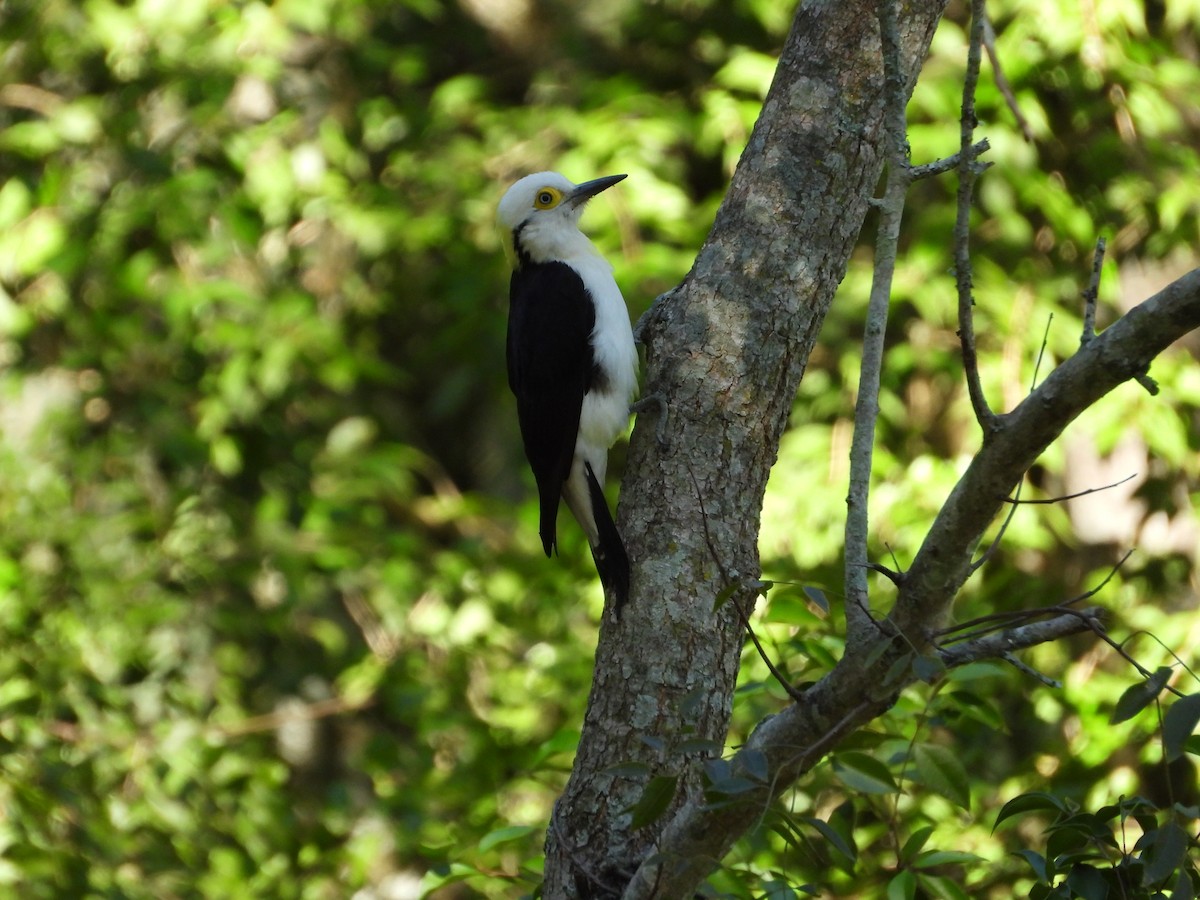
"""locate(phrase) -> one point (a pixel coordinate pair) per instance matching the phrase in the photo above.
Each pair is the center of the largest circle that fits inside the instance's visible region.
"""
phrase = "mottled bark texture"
(726, 350)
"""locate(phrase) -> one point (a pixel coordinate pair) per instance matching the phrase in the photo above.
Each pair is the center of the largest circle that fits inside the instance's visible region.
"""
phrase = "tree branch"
(1001, 643)
(866, 408)
(1092, 293)
(1117, 355)
(700, 834)
(968, 170)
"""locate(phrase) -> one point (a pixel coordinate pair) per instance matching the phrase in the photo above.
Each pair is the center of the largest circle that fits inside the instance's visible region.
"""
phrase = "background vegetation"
(274, 615)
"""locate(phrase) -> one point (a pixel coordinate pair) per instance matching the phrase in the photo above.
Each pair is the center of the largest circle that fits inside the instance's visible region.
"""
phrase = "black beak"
(589, 189)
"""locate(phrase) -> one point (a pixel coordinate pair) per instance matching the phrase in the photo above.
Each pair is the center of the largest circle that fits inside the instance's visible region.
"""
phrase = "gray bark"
(727, 350)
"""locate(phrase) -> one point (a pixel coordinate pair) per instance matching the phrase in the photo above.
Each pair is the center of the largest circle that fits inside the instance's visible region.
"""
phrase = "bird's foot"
(658, 403)
(650, 318)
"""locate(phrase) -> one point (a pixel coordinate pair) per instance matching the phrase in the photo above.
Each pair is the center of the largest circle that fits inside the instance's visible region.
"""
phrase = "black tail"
(612, 563)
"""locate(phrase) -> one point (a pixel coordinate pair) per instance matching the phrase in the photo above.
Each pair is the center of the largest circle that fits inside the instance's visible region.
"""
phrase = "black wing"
(550, 362)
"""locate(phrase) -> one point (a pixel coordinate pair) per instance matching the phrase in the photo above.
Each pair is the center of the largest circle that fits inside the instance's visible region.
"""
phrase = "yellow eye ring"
(547, 198)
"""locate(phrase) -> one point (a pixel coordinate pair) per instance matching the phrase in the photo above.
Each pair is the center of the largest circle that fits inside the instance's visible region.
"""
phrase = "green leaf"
(565, 740)
(754, 764)
(1087, 883)
(941, 887)
(940, 769)
(817, 600)
(750, 584)
(863, 773)
(835, 839)
(717, 769)
(1035, 801)
(504, 836)
(655, 799)
(731, 786)
(1037, 862)
(699, 747)
(1179, 724)
(1183, 887)
(1164, 853)
(914, 844)
(902, 887)
(777, 889)
(898, 669)
(1137, 697)
(935, 858)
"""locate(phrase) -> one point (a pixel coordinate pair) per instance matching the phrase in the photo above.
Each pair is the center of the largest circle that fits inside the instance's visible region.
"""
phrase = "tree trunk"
(726, 350)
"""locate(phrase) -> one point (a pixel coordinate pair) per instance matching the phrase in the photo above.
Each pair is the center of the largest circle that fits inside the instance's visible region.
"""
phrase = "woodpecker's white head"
(539, 217)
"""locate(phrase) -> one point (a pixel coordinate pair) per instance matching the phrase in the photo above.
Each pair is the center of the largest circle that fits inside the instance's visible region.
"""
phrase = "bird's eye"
(547, 198)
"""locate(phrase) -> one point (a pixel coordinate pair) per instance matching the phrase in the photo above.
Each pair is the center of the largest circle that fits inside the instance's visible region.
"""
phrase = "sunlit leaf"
(941, 769)
(504, 836)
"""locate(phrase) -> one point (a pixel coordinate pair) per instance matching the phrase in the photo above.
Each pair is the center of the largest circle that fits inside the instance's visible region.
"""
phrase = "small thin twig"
(728, 580)
(1031, 672)
(1049, 500)
(953, 161)
(578, 863)
(896, 578)
(989, 42)
(1000, 643)
(1090, 296)
(988, 553)
(967, 173)
(866, 407)
(1025, 614)
(792, 691)
(1092, 293)
(1037, 366)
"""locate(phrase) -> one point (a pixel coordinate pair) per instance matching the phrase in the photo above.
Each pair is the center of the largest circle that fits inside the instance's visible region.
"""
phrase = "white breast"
(605, 411)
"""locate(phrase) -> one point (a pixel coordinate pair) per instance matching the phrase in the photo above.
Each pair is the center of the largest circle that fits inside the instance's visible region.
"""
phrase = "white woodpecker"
(572, 363)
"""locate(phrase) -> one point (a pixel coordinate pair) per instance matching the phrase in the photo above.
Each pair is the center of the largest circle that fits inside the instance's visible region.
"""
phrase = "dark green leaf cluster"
(1131, 848)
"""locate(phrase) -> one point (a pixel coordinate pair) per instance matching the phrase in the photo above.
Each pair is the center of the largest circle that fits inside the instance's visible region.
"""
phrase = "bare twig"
(991, 550)
(1031, 672)
(1002, 643)
(578, 862)
(896, 578)
(792, 691)
(968, 170)
(732, 581)
(1037, 366)
(1025, 615)
(1049, 500)
(953, 161)
(866, 407)
(1090, 295)
(989, 42)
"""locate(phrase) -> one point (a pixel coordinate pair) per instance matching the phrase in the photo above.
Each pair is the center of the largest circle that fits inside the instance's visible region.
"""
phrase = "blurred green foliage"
(275, 617)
